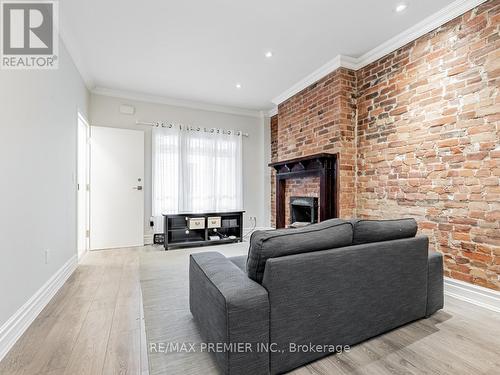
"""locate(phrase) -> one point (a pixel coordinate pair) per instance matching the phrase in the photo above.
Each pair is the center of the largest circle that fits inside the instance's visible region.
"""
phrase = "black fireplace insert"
(303, 211)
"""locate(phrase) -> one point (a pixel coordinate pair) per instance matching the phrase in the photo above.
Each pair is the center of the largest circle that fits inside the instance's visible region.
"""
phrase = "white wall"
(104, 111)
(38, 127)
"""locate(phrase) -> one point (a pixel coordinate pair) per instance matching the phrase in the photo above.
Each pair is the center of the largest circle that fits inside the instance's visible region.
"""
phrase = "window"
(195, 171)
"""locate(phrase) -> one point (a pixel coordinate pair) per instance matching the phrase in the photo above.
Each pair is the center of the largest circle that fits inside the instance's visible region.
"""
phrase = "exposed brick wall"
(321, 119)
(427, 143)
(274, 138)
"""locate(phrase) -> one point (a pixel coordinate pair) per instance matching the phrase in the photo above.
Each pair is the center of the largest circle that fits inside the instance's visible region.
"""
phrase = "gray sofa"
(330, 284)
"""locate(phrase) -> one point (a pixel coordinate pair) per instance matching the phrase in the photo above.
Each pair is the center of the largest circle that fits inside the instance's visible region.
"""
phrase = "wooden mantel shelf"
(323, 165)
(309, 164)
(302, 159)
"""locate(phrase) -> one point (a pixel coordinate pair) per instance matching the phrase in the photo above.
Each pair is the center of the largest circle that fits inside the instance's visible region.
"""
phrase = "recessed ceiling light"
(238, 85)
(269, 54)
(401, 7)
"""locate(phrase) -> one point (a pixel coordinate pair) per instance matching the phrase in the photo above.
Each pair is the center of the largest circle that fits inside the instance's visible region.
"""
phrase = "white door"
(83, 180)
(116, 188)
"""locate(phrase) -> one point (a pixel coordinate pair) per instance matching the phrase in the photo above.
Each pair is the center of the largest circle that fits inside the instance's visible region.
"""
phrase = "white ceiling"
(198, 50)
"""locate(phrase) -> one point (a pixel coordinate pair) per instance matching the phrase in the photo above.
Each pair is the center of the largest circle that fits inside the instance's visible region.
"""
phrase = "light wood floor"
(461, 339)
(93, 326)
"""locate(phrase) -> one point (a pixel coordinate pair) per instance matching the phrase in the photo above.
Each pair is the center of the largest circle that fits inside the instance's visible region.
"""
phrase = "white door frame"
(85, 205)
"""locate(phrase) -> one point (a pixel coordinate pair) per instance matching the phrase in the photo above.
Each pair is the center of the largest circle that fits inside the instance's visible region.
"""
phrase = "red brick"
(425, 143)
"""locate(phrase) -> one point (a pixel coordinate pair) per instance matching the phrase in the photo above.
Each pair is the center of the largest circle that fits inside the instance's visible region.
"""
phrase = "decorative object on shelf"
(188, 229)
(214, 222)
(196, 223)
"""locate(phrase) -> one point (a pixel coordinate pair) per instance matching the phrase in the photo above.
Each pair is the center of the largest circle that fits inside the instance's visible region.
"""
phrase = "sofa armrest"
(435, 293)
(230, 308)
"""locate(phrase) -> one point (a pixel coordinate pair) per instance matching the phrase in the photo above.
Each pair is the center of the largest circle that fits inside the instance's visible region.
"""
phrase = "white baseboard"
(13, 328)
(477, 295)
(148, 239)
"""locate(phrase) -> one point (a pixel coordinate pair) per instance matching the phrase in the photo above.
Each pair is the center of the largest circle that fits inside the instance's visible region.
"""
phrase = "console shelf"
(177, 233)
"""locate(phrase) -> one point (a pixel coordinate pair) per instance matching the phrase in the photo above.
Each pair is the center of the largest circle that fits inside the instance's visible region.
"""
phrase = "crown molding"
(122, 94)
(446, 14)
(305, 82)
(272, 112)
(349, 62)
(339, 61)
(453, 10)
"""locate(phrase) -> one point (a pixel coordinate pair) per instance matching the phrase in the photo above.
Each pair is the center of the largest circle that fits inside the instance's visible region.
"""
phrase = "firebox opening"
(303, 211)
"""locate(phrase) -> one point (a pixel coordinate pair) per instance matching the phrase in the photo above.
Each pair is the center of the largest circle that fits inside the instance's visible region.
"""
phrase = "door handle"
(139, 187)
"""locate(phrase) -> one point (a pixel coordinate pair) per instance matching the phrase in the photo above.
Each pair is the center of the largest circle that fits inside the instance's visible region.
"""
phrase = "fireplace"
(325, 166)
(303, 211)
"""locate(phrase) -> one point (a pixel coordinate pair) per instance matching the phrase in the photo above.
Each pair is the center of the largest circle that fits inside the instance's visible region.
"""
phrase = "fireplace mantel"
(323, 165)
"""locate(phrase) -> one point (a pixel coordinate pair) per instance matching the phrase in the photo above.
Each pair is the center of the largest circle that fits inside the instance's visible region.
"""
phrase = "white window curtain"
(195, 171)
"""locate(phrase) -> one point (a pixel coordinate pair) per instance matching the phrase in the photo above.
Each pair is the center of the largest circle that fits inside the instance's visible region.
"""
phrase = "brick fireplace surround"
(417, 133)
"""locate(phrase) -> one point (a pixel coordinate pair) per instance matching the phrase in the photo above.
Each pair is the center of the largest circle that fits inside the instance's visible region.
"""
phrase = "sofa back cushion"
(366, 231)
(268, 244)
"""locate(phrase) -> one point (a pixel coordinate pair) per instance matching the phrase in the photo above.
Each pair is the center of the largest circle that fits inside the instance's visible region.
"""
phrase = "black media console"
(187, 229)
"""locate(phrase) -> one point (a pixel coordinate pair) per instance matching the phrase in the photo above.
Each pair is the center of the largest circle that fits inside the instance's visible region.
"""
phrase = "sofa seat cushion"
(366, 231)
(268, 244)
(240, 262)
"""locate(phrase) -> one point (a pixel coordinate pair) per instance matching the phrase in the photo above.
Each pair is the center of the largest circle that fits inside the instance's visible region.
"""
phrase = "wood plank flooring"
(461, 339)
(94, 325)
